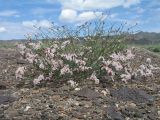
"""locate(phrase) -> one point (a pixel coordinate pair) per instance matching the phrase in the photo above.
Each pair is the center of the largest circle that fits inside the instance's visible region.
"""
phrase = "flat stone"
(132, 112)
(135, 95)
(87, 93)
(111, 113)
(6, 99)
(21, 61)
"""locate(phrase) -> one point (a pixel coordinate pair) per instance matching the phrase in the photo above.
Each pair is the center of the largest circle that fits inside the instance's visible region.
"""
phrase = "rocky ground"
(136, 100)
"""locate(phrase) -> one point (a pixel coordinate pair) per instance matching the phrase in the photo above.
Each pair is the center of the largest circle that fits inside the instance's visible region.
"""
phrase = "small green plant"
(151, 47)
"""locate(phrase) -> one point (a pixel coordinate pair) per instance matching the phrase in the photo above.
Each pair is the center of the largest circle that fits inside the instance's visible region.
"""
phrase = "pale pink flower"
(69, 56)
(129, 55)
(80, 62)
(114, 56)
(55, 64)
(126, 77)
(38, 80)
(72, 83)
(35, 46)
(65, 43)
(66, 70)
(94, 77)
(106, 63)
(50, 52)
(142, 67)
(149, 73)
(21, 49)
(119, 56)
(117, 65)
(148, 60)
(53, 50)
(84, 68)
(55, 45)
(110, 72)
(41, 65)
(21, 46)
(31, 57)
(20, 72)
(141, 71)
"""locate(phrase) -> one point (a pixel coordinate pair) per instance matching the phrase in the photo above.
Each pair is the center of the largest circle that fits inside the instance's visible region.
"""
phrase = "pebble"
(27, 108)
(159, 113)
(132, 105)
(77, 89)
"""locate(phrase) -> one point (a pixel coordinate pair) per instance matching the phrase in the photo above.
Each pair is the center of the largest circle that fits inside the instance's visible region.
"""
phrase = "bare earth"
(136, 100)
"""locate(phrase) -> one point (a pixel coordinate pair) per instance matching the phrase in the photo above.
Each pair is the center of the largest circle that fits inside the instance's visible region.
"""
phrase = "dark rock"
(87, 93)
(111, 113)
(21, 61)
(78, 115)
(152, 117)
(138, 114)
(132, 112)
(6, 99)
(3, 86)
(135, 95)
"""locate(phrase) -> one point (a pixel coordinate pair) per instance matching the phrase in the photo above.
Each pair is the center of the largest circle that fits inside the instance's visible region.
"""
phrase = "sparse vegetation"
(154, 48)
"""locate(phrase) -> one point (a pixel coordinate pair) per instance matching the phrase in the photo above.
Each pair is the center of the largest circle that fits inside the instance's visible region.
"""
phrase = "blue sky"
(17, 17)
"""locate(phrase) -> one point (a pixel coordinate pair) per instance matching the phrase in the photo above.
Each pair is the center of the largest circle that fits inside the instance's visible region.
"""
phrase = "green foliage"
(153, 47)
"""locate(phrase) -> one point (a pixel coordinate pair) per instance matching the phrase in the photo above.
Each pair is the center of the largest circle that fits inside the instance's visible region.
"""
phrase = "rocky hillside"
(146, 38)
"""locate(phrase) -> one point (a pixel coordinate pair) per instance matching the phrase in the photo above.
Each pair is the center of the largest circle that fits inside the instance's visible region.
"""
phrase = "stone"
(21, 61)
(6, 99)
(134, 94)
(87, 93)
(3, 86)
(159, 113)
(111, 113)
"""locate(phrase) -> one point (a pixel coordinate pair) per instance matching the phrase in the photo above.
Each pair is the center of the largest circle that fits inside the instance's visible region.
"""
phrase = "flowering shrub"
(57, 61)
(73, 57)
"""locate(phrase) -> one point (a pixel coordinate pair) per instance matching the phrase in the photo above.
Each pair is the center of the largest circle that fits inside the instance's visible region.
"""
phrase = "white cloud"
(8, 13)
(45, 24)
(2, 29)
(42, 23)
(87, 16)
(96, 4)
(72, 16)
(68, 15)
